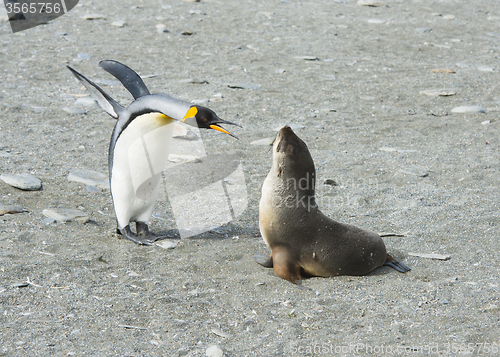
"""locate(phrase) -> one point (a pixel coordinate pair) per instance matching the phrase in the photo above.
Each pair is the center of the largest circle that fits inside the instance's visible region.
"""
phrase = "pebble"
(371, 3)
(423, 29)
(449, 17)
(485, 69)
(197, 12)
(213, 351)
(431, 256)
(90, 178)
(441, 70)
(280, 71)
(181, 131)
(11, 209)
(307, 58)
(200, 101)
(376, 21)
(48, 220)
(463, 65)
(438, 92)
(468, 109)
(72, 110)
(161, 28)
(66, 215)
(263, 142)
(330, 182)
(5, 154)
(243, 86)
(86, 101)
(486, 122)
(82, 56)
(219, 332)
(106, 82)
(194, 81)
(22, 181)
(118, 23)
(188, 159)
(94, 17)
(389, 149)
(165, 244)
(191, 0)
(292, 126)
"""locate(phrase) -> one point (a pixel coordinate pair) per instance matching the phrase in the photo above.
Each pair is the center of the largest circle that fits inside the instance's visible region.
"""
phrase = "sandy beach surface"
(372, 90)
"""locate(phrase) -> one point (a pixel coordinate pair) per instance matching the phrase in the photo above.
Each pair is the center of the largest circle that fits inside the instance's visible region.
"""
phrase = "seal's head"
(292, 160)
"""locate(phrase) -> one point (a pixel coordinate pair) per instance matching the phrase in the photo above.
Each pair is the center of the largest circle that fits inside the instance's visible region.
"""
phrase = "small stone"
(200, 101)
(449, 17)
(5, 154)
(72, 110)
(463, 65)
(292, 126)
(468, 109)
(307, 58)
(193, 81)
(442, 70)
(22, 181)
(485, 69)
(88, 177)
(191, 0)
(161, 28)
(423, 29)
(431, 256)
(118, 23)
(66, 215)
(197, 12)
(181, 131)
(132, 273)
(188, 159)
(330, 182)
(82, 56)
(94, 17)
(279, 71)
(219, 332)
(48, 220)
(166, 7)
(263, 142)
(376, 21)
(187, 33)
(11, 209)
(165, 244)
(486, 122)
(214, 351)
(438, 92)
(371, 3)
(85, 101)
(244, 86)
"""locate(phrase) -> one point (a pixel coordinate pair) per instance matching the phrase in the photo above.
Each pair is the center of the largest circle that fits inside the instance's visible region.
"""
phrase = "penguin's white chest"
(140, 155)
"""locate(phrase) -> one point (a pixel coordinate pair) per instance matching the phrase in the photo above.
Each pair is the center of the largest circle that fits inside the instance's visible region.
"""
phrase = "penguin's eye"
(205, 120)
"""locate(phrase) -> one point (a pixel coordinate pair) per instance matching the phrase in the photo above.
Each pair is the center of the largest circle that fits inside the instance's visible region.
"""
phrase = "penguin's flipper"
(128, 77)
(393, 263)
(263, 260)
(108, 104)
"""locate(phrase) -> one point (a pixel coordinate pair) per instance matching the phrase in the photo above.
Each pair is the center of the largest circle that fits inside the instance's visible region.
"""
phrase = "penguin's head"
(207, 119)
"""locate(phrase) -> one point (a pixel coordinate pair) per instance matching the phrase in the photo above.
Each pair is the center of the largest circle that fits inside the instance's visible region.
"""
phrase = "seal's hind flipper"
(263, 260)
(393, 263)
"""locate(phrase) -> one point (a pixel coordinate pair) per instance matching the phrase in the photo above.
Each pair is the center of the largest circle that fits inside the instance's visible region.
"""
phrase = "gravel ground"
(353, 76)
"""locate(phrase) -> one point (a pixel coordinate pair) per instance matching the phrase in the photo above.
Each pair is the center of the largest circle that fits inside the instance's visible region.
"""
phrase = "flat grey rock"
(86, 101)
(11, 209)
(263, 142)
(165, 244)
(193, 81)
(90, 178)
(66, 215)
(94, 17)
(72, 110)
(22, 181)
(243, 86)
(371, 3)
(431, 256)
(468, 109)
(438, 92)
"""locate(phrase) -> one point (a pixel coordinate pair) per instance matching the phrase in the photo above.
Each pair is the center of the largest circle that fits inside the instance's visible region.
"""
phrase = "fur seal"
(302, 239)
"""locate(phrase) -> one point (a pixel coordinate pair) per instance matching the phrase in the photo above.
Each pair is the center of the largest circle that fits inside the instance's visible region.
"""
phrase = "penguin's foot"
(144, 236)
(393, 263)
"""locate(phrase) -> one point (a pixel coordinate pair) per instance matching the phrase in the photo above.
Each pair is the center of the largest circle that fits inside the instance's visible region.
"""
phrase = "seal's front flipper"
(263, 260)
(285, 265)
(393, 263)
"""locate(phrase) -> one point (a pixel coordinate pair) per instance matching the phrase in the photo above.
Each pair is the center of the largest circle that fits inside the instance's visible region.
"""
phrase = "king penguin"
(139, 146)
